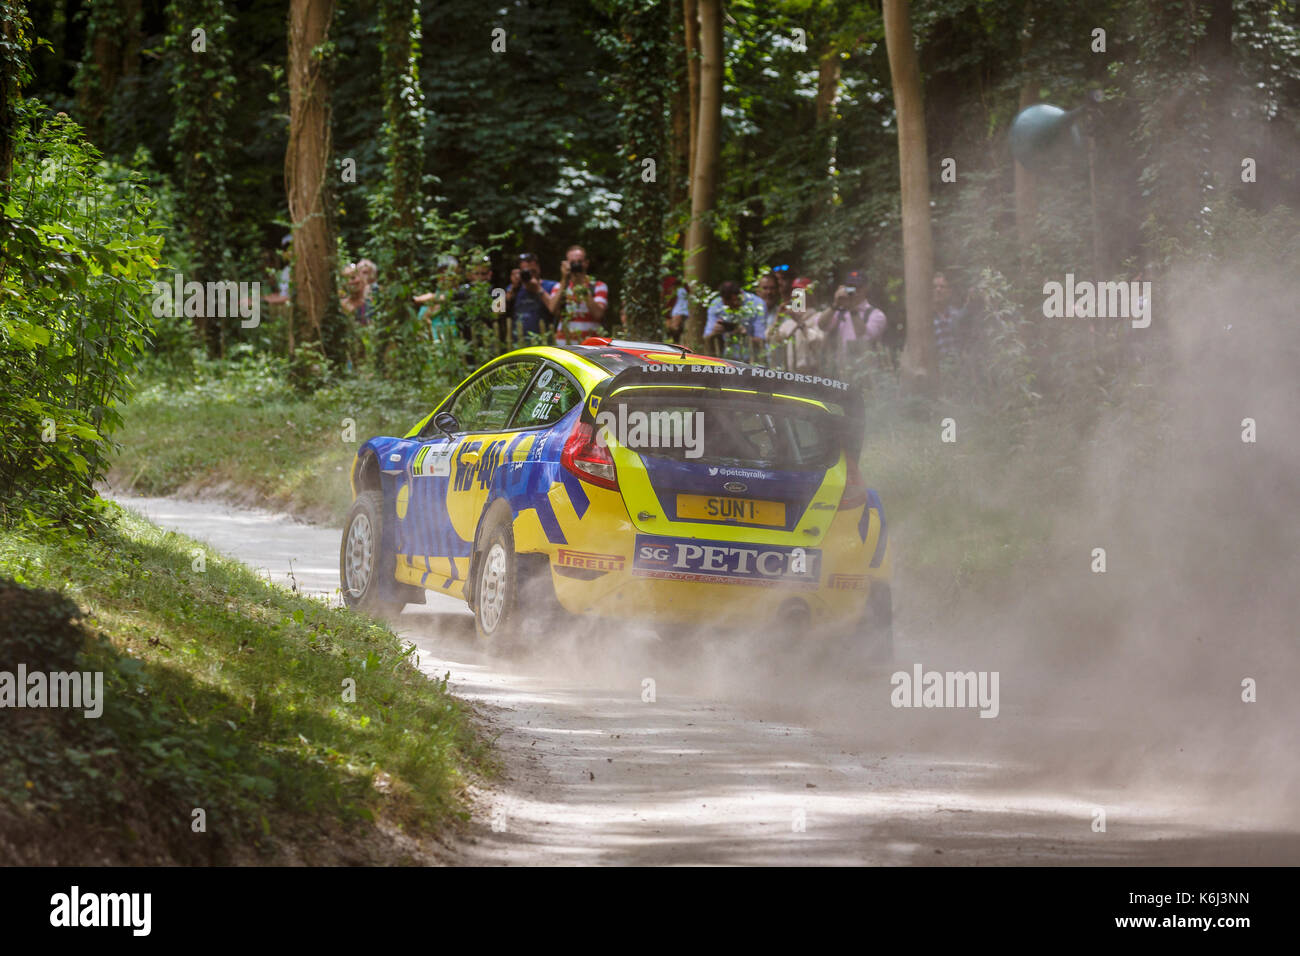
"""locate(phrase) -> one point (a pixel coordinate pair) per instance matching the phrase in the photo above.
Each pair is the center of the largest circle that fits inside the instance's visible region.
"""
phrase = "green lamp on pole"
(1041, 134)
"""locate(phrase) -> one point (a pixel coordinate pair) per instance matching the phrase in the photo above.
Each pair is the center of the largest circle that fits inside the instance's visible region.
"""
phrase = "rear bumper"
(595, 568)
(630, 596)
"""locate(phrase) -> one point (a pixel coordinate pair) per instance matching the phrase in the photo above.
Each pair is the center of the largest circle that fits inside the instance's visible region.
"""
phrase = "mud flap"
(877, 633)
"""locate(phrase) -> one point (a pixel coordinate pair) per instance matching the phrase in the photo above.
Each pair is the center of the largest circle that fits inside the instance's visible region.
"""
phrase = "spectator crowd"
(785, 321)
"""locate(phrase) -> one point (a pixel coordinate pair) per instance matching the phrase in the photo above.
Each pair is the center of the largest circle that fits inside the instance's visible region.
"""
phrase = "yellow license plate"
(742, 510)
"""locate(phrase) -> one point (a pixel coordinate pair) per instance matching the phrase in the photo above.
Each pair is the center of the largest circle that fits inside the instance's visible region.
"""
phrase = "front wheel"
(367, 571)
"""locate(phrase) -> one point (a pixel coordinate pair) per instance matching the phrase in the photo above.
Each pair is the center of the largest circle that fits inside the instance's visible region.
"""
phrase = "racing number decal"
(464, 468)
(545, 402)
(488, 464)
(474, 467)
(478, 469)
(547, 399)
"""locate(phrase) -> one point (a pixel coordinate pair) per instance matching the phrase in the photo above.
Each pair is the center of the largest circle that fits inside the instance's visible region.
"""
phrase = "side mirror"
(446, 423)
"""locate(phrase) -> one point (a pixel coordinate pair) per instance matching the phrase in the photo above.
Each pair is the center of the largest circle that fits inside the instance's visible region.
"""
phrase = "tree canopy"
(524, 126)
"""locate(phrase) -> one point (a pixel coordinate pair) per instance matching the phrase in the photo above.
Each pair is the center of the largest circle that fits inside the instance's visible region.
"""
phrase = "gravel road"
(749, 754)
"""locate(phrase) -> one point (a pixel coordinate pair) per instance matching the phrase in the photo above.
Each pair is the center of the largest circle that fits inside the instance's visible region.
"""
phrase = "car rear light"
(855, 489)
(587, 458)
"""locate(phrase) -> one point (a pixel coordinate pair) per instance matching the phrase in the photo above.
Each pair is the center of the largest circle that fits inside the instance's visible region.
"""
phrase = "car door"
(528, 472)
(449, 476)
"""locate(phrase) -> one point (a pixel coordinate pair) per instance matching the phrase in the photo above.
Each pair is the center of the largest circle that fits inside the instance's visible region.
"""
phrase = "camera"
(526, 275)
(577, 268)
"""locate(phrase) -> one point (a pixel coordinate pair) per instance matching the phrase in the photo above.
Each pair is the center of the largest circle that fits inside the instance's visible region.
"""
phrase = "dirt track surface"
(750, 754)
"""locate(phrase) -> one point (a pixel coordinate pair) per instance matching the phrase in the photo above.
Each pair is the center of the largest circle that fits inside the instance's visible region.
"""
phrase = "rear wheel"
(513, 593)
(877, 631)
(366, 568)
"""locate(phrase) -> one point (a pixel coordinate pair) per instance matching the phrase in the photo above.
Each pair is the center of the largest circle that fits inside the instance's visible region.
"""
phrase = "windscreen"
(775, 434)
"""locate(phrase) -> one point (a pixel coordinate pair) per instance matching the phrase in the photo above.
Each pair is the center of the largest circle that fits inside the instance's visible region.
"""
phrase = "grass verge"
(238, 432)
(222, 694)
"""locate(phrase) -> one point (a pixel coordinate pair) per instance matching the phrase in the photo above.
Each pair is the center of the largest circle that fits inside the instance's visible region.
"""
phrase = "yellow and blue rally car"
(629, 480)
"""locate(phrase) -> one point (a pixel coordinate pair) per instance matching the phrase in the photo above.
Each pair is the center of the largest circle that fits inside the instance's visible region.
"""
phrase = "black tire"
(367, 567)
(497, 580)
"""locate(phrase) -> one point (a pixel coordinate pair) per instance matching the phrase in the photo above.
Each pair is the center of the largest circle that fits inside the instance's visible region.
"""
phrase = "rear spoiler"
(754, 378)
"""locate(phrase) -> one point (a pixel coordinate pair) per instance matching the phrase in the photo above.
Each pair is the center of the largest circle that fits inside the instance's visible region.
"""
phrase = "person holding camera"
(528, 298)
(579, 301)
(850, 326)
(796, 338)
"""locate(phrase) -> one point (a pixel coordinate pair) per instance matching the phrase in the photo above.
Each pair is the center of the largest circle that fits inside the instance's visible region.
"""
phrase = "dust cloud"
(1131, 679)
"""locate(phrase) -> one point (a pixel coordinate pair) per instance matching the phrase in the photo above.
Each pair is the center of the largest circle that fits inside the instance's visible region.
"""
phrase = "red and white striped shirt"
(576, 313)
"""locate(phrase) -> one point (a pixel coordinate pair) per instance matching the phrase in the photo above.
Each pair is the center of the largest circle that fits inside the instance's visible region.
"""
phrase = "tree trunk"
(130, 47)
(920, 363)
(828, 82)
(691, 16)
(828, 88)
(708, 142)
(1215, 44)
(315, 302)
(111, 54)
(97, 84)
(12, 66)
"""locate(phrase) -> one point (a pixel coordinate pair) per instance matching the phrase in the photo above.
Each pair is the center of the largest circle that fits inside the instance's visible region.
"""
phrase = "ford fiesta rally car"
(627, 480)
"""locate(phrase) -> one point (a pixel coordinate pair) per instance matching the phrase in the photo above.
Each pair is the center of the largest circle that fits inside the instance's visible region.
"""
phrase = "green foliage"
(79, 253)
(460, 327)
(798, 191)
(203, 95)
(640, 49)
(536, 142)
(397, 209)
(263, 441)
(220, 692)
(524, 139)
(1170, 86)
(109, 25)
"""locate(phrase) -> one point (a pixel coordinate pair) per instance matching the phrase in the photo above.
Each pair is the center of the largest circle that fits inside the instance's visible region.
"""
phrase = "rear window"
(773, 434)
